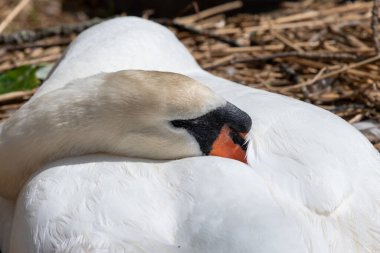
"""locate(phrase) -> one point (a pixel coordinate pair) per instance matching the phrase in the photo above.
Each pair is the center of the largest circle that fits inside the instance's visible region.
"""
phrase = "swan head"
(163, 115)
(142, 114)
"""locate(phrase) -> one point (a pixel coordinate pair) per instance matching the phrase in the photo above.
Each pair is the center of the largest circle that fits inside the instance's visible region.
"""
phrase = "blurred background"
(324, 52)
(40, 13)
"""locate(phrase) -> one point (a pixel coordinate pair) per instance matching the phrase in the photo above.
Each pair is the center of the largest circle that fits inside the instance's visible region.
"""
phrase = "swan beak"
(230, 144)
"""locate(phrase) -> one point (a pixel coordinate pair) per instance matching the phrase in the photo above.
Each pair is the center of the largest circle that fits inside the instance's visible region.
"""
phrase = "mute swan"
(146, 114)
(312, 184)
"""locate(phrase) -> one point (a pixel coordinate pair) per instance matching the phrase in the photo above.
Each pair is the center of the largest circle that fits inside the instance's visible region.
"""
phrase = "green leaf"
(21, 78)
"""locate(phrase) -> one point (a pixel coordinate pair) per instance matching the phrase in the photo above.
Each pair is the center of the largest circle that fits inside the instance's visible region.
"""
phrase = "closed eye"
(179, 123)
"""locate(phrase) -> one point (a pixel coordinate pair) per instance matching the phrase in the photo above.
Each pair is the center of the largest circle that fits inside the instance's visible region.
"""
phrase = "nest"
(322, 52)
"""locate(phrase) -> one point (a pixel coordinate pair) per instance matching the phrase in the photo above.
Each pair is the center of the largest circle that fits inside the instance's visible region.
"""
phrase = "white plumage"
(313, 184)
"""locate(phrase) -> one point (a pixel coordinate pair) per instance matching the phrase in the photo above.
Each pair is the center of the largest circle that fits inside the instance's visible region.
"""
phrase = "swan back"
(146, 46)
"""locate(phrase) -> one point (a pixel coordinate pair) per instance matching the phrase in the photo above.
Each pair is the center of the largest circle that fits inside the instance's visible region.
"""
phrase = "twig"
(33, 35)
(273, 47)
(60, 42)
(211, 22)
(287, 42)
(302, 55)
(9, 107)
(297, 17)
(336, 72)
(209, 12)
(356, 118)
(190, 29)
(21, 5)
(304, 84)
(309, 55)
(44, 59)
(352, 66)
(15, 96)
(301, 24)
(315, 14)
(305, 55)
(220, 62)
(375, 24)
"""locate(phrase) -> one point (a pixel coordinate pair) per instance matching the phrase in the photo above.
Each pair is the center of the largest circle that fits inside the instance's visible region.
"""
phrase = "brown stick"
(33, 35)
(356, 118)
(209, 12)
(60, 42)
(311, 55)
(305, 55)
(375, 24)
(315, 14)
(352, 66)
(307, 83)
(44, 59)
(297, 17)
(232, 50)
(287, 42)
(15, 96)
(220, 62)
(301, 24)
(21, 5)
(190, 29)
(336, 72)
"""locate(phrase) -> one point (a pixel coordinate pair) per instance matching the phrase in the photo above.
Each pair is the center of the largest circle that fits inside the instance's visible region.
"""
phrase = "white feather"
(312, 185)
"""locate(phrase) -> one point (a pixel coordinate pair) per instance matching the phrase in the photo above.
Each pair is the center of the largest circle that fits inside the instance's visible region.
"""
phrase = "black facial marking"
(238, 140)
(206, 128)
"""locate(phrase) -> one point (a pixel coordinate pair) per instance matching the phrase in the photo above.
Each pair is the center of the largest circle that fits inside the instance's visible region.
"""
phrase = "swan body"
(312, 183)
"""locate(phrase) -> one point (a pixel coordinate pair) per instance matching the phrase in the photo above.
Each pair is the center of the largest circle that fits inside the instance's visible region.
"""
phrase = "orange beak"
(225, 146)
